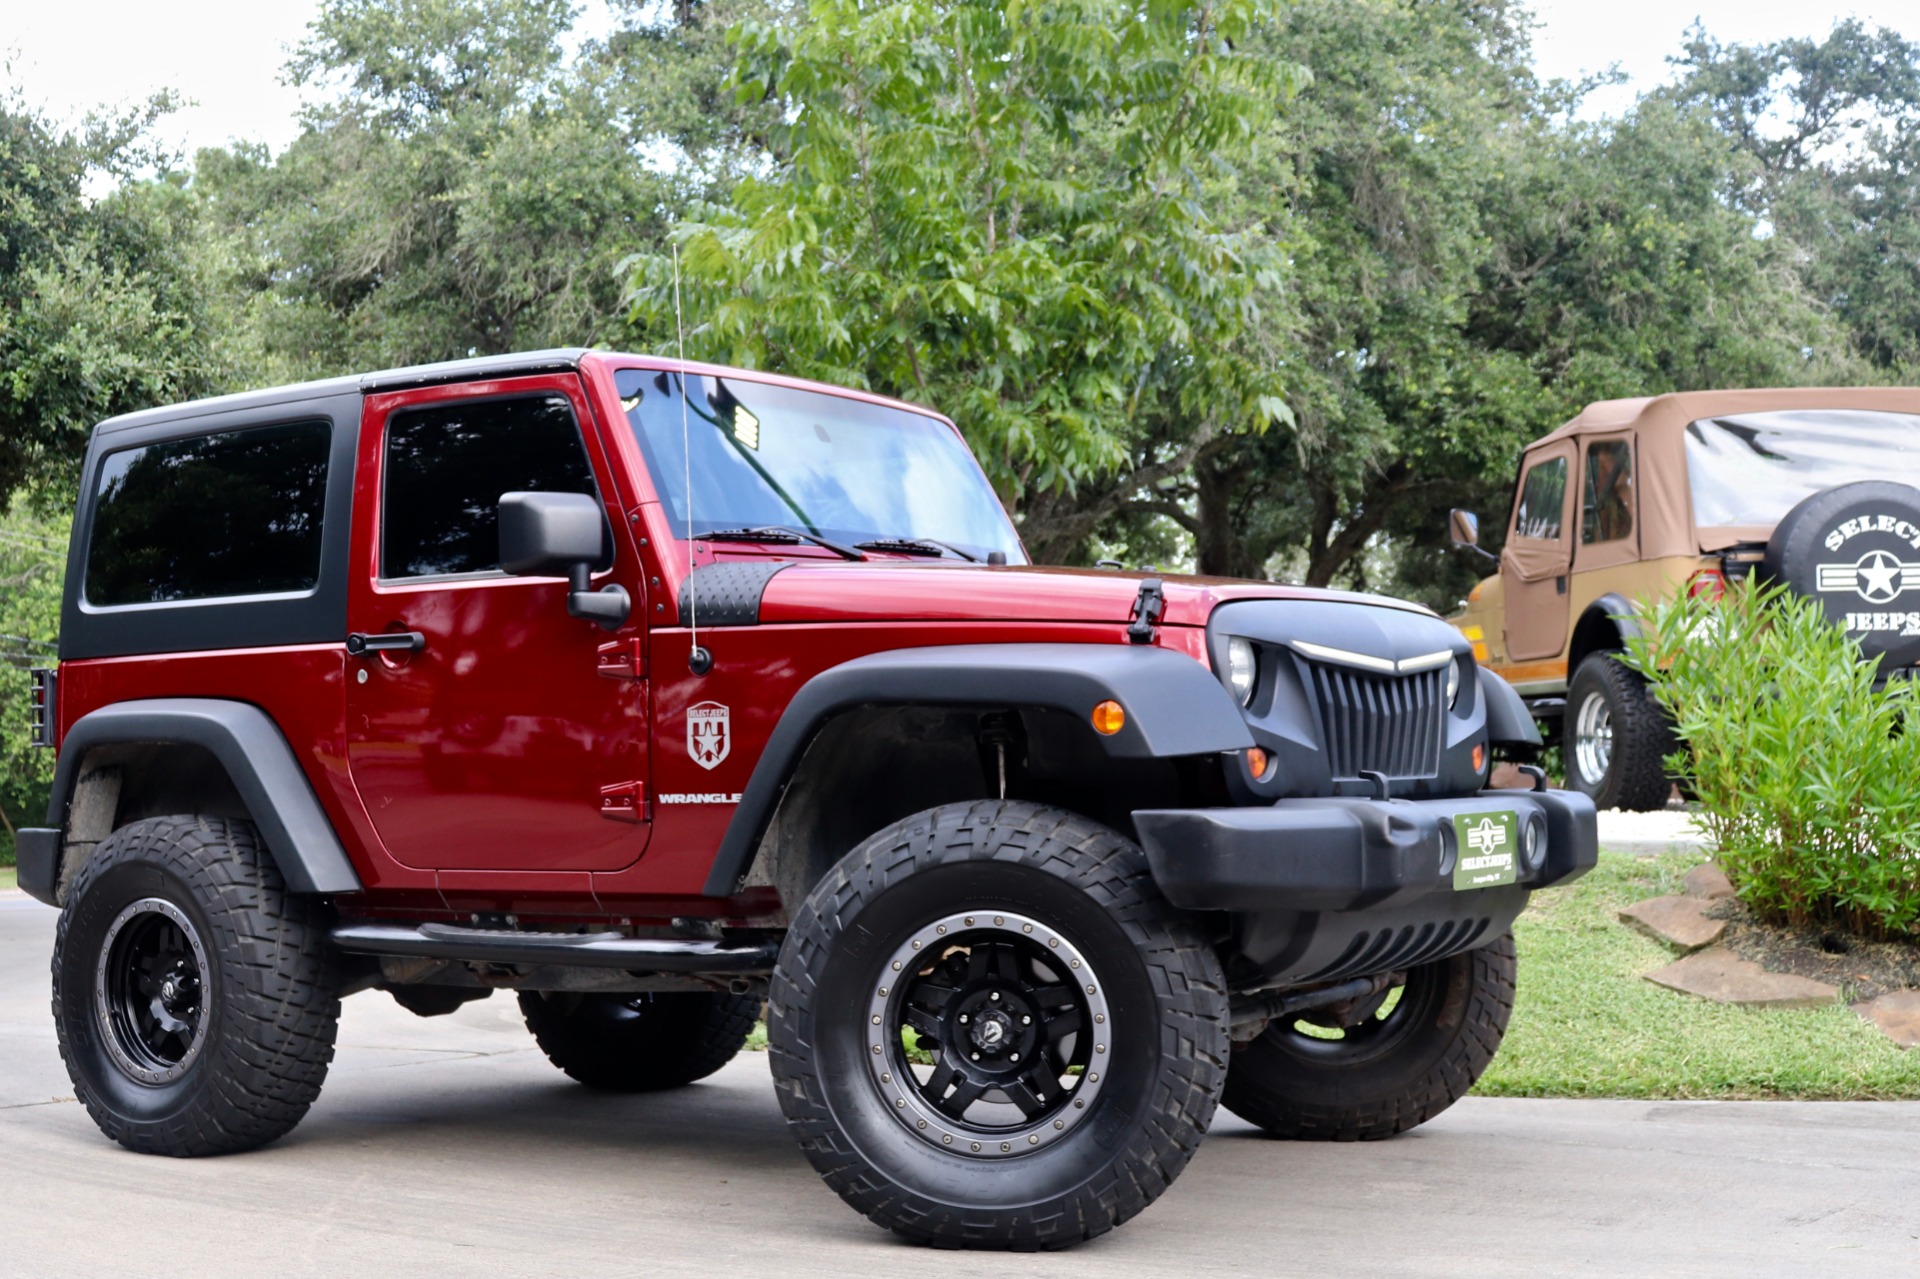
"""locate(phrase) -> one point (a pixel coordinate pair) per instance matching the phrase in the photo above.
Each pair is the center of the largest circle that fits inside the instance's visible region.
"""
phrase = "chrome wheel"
(988, 1034)
(150, 991)
(1593, 738)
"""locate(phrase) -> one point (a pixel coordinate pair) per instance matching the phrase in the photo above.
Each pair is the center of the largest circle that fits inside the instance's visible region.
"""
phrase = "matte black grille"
(1387, 724)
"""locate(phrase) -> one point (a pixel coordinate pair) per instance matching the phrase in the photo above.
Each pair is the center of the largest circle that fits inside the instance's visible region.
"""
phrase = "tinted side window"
(232, 514)
(1542, 498)
(447, 466)
(1609, 496)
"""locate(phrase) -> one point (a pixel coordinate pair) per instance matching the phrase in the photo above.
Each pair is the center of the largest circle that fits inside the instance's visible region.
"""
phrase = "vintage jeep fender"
(257, 760)
(1174, 706)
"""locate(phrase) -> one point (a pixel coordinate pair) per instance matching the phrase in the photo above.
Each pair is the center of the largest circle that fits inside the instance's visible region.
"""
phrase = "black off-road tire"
(1123, 1131)
(1387, 1077)
(639, 1043)
(1635, 776)
(267, 995)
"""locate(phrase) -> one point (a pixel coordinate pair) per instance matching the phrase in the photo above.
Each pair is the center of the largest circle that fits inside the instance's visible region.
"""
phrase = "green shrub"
(1806, 781)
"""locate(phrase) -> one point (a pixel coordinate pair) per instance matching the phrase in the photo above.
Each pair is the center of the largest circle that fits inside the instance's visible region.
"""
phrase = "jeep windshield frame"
(1748, 470)
(843, 468)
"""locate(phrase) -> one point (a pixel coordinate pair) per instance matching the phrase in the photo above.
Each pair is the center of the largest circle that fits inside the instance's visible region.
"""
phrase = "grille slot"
(1405, 947)
(1386, 724)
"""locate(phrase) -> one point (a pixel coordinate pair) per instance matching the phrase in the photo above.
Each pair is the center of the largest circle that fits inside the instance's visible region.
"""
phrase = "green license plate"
(1489, 845)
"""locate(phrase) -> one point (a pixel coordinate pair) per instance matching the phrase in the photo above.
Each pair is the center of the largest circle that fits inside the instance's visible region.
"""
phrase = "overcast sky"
(226, 54)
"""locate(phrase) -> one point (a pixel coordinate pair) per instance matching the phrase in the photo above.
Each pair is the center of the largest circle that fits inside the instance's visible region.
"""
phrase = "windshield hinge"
(622, 659)
(1146, 611)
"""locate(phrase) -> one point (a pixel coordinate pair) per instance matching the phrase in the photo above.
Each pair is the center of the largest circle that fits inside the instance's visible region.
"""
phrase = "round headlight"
(1453, 683)
(1241, 669)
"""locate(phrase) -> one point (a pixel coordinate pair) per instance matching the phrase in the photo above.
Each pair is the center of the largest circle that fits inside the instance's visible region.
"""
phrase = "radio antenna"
(699, 660)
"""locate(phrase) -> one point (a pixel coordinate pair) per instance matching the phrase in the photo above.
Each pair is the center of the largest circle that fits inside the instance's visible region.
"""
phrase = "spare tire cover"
(1856, 549)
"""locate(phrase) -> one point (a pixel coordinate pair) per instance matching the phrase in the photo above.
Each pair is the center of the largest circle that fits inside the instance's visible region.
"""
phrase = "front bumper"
(1325, 889)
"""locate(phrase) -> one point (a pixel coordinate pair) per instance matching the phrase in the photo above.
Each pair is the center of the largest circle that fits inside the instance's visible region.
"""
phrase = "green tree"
(1006, 210)
(1831, 127)
(465, 185)
(107, 304)
(1472, 266)
(32, 555)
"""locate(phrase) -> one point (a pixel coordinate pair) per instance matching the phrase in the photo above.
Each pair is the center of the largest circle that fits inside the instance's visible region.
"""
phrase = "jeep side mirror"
(561, 535)
(1465, 528)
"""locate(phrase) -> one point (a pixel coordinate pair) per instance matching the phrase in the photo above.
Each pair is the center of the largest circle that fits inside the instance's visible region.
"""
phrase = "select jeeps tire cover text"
(1856, 549)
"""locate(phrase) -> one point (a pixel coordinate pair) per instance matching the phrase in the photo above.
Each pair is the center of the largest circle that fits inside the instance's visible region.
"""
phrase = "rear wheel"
(194, 997)
(1408, 1059)
(1616, 737)
(639, 1043)
(988, 1029)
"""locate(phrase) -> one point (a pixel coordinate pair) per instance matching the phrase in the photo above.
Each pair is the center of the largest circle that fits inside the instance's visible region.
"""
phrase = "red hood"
(946, 590)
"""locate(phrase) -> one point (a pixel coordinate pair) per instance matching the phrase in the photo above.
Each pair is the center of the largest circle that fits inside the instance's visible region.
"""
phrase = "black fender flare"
(1509, 723)
(1174, 706)
(258, 760)
(1613, 607)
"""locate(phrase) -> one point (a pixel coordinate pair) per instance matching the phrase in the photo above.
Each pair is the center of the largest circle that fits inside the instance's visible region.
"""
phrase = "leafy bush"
(1806, 781)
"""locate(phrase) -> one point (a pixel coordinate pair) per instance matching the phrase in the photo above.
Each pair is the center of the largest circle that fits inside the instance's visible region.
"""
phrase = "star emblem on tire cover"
(1878, 577)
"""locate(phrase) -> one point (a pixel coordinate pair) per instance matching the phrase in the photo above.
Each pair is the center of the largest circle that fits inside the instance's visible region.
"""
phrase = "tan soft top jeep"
(1636, 500)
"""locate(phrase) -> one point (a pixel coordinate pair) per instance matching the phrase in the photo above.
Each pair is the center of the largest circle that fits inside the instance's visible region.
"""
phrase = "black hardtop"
(520, 364)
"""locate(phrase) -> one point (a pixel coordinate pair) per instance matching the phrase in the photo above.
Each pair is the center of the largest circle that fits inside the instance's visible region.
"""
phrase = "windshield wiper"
(778, 533)
(909, 545)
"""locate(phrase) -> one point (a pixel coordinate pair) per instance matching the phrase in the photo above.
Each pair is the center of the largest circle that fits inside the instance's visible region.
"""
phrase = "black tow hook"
(1248, 1017)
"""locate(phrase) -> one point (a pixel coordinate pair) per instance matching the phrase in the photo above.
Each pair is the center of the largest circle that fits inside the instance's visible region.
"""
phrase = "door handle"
(391, 642)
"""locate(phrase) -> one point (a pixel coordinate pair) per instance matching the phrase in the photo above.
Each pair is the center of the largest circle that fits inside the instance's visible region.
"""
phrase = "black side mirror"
(1465, 529)
(561, 535)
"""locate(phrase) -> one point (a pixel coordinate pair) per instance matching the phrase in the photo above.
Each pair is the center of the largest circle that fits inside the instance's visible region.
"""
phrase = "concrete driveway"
(450, 1146)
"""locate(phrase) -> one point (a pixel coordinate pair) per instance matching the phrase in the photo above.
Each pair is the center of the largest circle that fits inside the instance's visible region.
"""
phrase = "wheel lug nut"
(1026, 1021)
(963, 1019)
(976, 1056)
(1016, 1056)
(994, 995)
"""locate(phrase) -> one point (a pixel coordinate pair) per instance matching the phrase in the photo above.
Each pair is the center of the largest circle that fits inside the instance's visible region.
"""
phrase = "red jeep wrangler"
(657, 692)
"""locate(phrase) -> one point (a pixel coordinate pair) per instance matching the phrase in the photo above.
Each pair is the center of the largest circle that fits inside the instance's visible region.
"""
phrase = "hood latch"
(1147, 606)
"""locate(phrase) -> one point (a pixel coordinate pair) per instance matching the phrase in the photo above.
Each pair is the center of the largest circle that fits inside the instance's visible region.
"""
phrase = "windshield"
(836, 467)
(1754, 468)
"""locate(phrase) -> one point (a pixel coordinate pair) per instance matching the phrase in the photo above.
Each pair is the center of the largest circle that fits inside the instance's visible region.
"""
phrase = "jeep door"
(1537, 558)
(497, 745)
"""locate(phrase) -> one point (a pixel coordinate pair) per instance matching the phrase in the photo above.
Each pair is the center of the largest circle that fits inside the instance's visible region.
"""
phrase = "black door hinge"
(1147, 606)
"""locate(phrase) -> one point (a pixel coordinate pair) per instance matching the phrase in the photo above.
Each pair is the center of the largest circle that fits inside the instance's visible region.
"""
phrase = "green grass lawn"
(6, 878)
(1586, 1025)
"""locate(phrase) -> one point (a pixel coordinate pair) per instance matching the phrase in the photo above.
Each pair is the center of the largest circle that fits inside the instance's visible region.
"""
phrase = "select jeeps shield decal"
(1486, 844)
(1879, 576)
(709, 733)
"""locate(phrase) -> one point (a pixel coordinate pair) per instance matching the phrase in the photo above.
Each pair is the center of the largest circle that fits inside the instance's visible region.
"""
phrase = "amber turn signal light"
(1109, 717)
(1479, 759)
(1256, 762)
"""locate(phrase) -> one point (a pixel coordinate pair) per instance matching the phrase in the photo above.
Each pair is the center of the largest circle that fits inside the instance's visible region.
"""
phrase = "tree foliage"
(1006, 210)
(106, 305)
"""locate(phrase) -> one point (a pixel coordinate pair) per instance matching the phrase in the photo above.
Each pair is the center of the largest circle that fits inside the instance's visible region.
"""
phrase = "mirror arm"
(608, 607)
(1481, 551)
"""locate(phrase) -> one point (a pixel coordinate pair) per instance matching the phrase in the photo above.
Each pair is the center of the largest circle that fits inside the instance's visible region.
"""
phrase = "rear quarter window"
(232, 514)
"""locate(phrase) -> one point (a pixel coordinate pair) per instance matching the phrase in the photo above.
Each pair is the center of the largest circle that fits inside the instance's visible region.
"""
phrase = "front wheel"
(1408, 1059)
(1617, 737)
(988, 1029)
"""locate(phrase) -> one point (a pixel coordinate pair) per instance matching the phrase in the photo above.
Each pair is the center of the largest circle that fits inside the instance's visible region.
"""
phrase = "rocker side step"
(576, 950)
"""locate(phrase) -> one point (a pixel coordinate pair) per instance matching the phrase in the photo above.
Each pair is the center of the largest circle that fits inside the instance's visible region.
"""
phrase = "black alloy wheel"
(149, 990)
(992, 1032)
